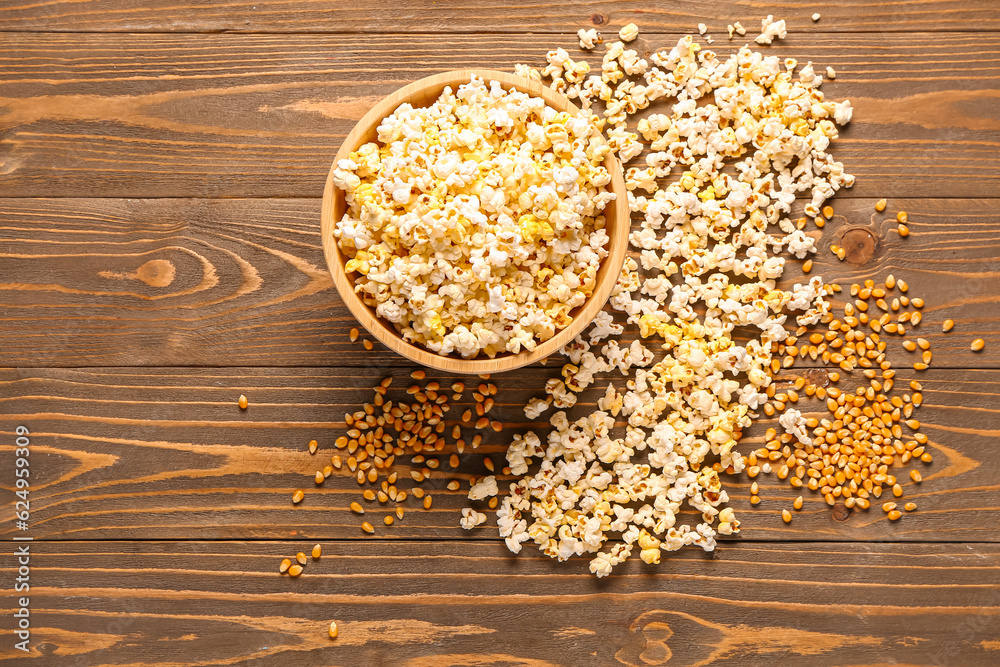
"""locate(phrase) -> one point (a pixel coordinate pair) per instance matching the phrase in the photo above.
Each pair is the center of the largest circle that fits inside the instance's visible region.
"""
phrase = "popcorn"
(474, 225)
(771, 29)
(589, 38)
(484, 488)
(471, 518)
(737, 141)
(535, 407)
(628, 32)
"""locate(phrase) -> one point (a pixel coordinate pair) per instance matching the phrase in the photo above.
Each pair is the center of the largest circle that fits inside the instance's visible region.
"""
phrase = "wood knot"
(840, 512)
(155, 273)
(45, 648)
(817, 376)
(599, 19)
(860, 245)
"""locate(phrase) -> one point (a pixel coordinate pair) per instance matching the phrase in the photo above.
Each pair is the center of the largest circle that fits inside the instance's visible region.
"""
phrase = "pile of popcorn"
(710, 244)
(475, 225)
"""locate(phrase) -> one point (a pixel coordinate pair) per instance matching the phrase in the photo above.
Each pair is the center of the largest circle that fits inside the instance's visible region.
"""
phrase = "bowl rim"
(583, 315)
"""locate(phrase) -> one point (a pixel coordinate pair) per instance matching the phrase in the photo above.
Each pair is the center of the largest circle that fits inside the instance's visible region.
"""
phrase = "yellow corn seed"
(978, 344)
(298, 496)
(786, 516)
(333, 629)
(242, 402)
(285, 564)
(367, 527)
(317, 552)
(295, 570)
(301, 558)
(901, 216)
(427, 502)
(948, 325)
(880, 205)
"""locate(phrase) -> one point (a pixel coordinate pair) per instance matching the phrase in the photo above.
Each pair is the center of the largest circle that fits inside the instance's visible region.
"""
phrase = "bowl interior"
(423, 93)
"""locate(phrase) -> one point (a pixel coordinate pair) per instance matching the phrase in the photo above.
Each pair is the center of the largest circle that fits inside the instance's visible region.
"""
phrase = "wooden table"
(160, 172)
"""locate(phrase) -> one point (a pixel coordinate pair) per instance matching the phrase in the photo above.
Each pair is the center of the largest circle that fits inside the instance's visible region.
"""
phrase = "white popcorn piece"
(484, 488)
(628, 32)
(771, 30)
(471, 518)
(702, 28)
(816, 17)
(589, 38)
(831, 73)
(536, 406)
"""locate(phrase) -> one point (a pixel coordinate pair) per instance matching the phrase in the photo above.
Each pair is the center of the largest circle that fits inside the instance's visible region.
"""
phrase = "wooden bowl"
(423, 93)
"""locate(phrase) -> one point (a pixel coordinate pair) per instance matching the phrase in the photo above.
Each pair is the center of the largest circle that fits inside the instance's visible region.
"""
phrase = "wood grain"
(167, 454)
(124, 115)
(333, 16)
(95, 282)
(421, 604)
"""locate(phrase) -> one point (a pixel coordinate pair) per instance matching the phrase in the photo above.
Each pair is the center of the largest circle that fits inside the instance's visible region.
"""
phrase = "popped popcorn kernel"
(628, 32)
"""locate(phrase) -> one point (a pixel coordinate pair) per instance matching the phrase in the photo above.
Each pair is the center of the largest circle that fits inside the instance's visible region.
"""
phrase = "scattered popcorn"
(830, 73)
(740, 30)
(771, 29)
(815, 17)
(628, 32)
(589, 38)
(740, 139)
(475, 225)
(730, 29)
(702, 28)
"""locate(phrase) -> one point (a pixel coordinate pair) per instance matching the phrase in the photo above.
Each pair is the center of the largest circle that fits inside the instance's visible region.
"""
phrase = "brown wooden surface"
(386, 16)
(83, 281)
(165, 453)
(425, 604)
(160, 256)
(126, 115)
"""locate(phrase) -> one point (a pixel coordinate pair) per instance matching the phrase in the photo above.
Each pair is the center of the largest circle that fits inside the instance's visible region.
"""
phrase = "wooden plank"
(121, 115)
(405, 603)
(167, 454)
(470, 16)
(98, 282)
